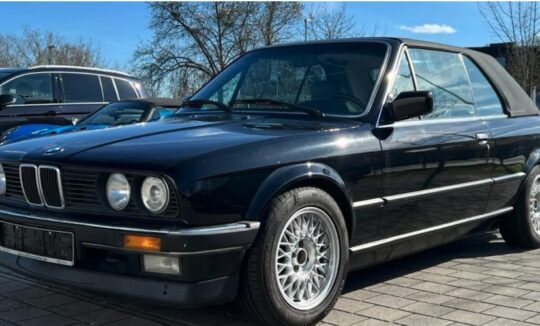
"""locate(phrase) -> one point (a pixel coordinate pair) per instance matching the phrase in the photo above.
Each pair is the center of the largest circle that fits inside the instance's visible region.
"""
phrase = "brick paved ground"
(476, 281)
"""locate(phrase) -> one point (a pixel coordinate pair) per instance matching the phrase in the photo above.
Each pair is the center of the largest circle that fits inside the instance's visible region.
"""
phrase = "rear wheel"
(522, 227)
(295, 270)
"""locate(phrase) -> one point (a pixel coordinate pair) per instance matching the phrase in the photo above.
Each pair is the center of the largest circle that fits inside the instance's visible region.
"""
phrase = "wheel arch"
(300, 175)
(532, 161)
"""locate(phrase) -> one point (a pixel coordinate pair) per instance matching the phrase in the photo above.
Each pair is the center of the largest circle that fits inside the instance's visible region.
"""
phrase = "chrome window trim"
(81, 68)
(60, 189)
(391, 199)
(39, 257)
(404, 236)
(58, 104)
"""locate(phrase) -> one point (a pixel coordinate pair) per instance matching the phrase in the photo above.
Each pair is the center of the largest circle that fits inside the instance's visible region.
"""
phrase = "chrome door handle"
(482, 138)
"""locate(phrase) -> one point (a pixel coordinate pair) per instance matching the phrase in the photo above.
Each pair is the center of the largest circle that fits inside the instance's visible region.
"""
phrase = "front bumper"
(210, 259)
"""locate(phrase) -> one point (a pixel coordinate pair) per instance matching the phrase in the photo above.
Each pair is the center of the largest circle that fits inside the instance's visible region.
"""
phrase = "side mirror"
(410, 105)
(6, 100)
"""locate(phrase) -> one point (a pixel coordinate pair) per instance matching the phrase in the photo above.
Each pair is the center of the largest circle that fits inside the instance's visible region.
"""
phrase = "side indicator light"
(138, 242)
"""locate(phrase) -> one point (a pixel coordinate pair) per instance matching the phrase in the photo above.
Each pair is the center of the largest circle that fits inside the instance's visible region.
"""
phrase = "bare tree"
(193, 41)
(34, 47)
(325, 23)
(518, 24)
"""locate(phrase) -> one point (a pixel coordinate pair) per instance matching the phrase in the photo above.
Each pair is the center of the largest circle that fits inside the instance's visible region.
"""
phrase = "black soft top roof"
(516, 101)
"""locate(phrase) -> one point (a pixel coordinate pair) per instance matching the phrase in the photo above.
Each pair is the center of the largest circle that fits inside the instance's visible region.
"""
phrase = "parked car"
(293, 166)
(115, 114)
(58, 94)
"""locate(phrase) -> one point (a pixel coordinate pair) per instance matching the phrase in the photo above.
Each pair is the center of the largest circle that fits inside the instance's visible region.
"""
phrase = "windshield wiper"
(308, 110)
(220, 105)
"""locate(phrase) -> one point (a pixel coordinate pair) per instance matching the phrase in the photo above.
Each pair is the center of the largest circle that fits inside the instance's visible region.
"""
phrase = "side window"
(403, 81)
(30, 89)
(444, 75)
(81, 88)
(109, 94)
(486, 100)
(125, 89)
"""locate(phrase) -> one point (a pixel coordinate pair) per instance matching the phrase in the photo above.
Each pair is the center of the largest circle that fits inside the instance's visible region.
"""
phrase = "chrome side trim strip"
(368, 203)
(200, 230)
(427, 230)
(508, 177)
(434, 191)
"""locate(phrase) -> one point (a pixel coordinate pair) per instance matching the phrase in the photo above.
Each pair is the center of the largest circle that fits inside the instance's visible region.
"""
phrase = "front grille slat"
(29, 183)
(51, 186)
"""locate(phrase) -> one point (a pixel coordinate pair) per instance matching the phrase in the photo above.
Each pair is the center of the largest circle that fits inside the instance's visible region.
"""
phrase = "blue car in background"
(111, 115)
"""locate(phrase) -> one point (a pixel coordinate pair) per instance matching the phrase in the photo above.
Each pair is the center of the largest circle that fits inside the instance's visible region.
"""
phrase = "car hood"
(158, 145)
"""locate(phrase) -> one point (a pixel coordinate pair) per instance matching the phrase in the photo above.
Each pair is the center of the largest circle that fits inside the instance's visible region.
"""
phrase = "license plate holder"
(37, 243)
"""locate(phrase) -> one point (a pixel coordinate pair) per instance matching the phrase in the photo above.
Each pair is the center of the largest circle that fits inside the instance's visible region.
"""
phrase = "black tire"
(517, 228)
(260, 295)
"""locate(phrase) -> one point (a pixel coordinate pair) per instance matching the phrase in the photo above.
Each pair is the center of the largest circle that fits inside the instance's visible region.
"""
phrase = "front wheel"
(296, 268)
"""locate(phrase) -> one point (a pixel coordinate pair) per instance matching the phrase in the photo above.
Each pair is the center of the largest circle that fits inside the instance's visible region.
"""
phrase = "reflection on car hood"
(161, 143)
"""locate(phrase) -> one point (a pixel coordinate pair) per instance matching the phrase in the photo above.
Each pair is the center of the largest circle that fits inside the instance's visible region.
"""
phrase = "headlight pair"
(154, 193)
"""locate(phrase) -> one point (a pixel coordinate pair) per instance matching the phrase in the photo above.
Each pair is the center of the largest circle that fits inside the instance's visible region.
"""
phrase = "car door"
(81, 94)
(36, 97)
(436, 168)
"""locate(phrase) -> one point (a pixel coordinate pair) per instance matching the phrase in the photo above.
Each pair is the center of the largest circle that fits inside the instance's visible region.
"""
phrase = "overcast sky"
(119, 27)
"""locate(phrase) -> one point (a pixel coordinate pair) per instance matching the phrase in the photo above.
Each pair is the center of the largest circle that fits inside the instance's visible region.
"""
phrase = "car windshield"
(331, 78)
(115, 114)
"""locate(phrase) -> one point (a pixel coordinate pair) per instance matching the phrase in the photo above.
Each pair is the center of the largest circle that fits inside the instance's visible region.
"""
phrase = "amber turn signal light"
(139, 242)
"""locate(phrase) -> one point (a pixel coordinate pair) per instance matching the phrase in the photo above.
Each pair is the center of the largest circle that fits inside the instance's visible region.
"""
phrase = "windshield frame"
(376, 88)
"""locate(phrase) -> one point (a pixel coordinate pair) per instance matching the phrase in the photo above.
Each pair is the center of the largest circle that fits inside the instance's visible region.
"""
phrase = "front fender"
(287, 176)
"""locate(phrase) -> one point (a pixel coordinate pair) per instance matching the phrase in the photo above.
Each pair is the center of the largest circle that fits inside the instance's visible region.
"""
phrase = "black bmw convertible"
(293, 166)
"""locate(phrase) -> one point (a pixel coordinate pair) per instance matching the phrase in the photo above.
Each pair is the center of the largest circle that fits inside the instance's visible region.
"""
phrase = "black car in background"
(293, 166)
(58, 94)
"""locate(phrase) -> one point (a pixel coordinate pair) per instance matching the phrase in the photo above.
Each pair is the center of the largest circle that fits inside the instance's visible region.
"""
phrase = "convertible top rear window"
(336, 79)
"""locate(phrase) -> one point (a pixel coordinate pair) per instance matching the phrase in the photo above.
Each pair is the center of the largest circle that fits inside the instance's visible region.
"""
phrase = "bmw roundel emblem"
(54, 150)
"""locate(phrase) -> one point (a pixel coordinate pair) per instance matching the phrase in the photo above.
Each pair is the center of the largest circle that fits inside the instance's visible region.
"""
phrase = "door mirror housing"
(6, 100)
(410, 105)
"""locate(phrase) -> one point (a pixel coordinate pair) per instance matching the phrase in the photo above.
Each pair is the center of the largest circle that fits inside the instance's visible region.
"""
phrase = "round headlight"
(118, 191)
(2, 180)
(155, 194)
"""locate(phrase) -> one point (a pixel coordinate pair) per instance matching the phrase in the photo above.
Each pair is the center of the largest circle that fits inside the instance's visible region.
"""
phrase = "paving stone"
(510, 313)
(433, 287)
(403, 281)
(75, 308)
(468, 317)
(429, 309)
(419, 320)
(383, 313)
(534, 320)
(506, 322)
(137, 321)
(469, 305)
(469, 284)
(28, 293)
(352, 306)
(50, 300)
(394, 290)
(340, 318)
(23, 313)
(360, 294)
(505, 290)
(512, 302)
(103, 316)
(431, 297)
(49, 320)
(389, 301)
(469, 294)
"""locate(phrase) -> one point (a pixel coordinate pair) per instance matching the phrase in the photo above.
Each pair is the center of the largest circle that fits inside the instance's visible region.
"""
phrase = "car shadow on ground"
(476, 246)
